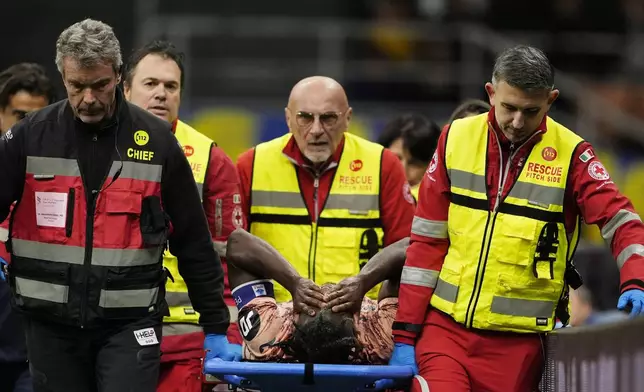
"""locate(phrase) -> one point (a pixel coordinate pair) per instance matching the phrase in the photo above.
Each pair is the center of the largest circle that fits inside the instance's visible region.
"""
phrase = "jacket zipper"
(314, 229)
(487, 239)
(89, 231)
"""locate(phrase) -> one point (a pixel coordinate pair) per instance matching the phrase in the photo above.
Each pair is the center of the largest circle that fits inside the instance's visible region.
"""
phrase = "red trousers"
(179, 376)
(181, 368)
(452, 358)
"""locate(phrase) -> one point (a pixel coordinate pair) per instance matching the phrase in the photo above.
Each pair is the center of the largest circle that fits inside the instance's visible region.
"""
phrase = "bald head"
(317, 115)
(320, 86)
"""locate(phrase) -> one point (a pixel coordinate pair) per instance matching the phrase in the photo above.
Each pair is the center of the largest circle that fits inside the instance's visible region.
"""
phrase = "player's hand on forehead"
(308, 297)
(347, 295)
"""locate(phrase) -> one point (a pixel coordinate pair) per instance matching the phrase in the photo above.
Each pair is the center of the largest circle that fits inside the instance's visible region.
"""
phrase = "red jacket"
(598, 201)
(396, 202)
(220, 184)
(4, 234)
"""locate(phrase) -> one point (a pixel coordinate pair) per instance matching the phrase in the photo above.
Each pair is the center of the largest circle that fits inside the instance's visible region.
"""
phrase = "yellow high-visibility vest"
(348, 231)
(414, 191)
(495, 275)
(197, 150)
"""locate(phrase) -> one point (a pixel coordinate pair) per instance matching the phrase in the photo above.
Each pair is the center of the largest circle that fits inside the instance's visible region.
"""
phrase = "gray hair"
(90, 42)
(524, 67)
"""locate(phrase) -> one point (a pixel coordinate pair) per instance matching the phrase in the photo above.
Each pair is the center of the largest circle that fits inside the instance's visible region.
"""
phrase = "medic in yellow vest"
(153, 81)
(488, 268)
(327, 200)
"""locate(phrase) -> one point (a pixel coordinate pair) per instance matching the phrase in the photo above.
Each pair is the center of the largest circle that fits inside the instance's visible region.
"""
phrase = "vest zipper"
(487, 239)
(316, 186)
(89, 232)
(314, 236)
(89, 225)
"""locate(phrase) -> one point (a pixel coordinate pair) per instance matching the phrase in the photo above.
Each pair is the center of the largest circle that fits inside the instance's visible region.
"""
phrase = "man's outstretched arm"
(386, 266)
(257, 257)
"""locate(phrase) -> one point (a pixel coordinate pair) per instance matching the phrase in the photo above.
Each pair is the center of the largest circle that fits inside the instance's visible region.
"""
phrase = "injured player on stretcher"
(333, 324)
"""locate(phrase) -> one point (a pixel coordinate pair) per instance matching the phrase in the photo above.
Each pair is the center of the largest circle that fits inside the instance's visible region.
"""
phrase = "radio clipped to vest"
(369, 246)
(572, 279)
(543, 268)
(154, 221)
(546, 253)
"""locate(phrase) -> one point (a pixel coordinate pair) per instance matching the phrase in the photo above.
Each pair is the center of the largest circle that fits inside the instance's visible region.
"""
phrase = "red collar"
(174, 125)
(502, 138)
(292, 151)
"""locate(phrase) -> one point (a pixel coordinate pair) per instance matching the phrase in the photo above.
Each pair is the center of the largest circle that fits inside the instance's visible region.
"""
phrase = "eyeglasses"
(328, 119)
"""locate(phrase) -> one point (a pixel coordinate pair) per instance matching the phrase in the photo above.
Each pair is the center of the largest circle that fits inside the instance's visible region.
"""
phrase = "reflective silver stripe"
(177, 328)
(200, 189)
(353, 202)
(277, 199)
(429, 228)
(631, 250)
(4, 234)
(76, 254)
(464, 180)
(181, 299)
(424, 386)
(126, 257)
(542, 195)
(446, 291)
(137, 171)
(52, 166)
(177, 298)
(522, 307)
(220, 247)
(49, 252)
(69, 167)
(622, 217)
(419, 277)
(334, 202)
(128, 298)
(171, 329)
(42, 290)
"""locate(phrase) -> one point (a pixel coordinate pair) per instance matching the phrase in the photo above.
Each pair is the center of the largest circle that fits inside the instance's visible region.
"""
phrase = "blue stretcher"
(295, 377)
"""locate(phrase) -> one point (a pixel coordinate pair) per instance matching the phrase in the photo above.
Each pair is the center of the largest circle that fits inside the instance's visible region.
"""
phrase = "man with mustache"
(102, 187)
(326, 199)
(154, 79)
(490, 260)
(24, 88)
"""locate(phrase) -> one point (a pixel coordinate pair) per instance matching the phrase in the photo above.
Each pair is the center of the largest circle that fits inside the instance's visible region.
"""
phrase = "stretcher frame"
(298, 377)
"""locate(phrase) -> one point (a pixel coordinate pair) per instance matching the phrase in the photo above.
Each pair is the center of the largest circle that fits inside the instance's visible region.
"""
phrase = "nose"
(88, 96)
(316, 127)
(160, 92)
(518, 121)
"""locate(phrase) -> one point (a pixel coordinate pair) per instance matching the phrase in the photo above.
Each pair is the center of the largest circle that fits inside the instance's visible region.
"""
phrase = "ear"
(127, 90)
(489, 89)
(287, 117)
(349, 115)
(552, 96)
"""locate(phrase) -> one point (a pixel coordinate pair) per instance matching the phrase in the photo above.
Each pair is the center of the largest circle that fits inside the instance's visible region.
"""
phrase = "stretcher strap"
(308, 374)
(424, 387)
